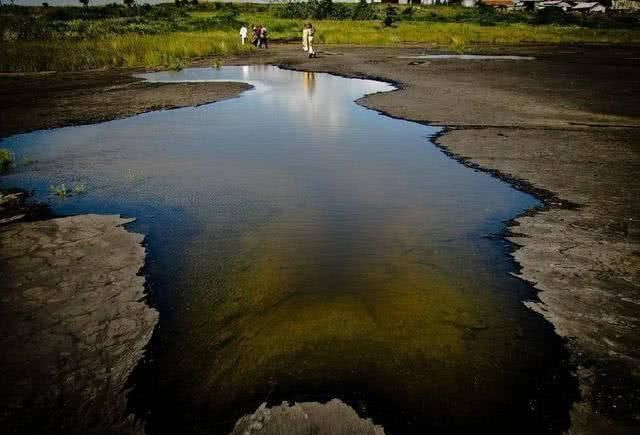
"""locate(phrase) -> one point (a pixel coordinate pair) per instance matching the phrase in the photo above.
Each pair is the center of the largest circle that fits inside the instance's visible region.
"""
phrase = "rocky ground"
(565, 127)
(307, 418)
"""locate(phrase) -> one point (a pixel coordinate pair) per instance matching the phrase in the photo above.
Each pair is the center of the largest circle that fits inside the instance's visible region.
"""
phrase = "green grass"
(373, 33)
(135, 175)
(168, 38)
(6, 159)
(63, 191)
(79, 189)
(60, 190)
(171, 51)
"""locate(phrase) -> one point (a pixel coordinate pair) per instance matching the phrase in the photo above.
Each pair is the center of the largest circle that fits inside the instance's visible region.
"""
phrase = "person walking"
(255, 36)
(307, 39)
(243, 33)
(264, 37)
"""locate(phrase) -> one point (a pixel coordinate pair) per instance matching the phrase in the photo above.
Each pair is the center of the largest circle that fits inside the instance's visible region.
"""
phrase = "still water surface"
(305, 248)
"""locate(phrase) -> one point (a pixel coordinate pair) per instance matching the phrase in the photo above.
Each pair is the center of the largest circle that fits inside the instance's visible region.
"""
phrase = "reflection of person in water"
(307, 39)
(309, 82)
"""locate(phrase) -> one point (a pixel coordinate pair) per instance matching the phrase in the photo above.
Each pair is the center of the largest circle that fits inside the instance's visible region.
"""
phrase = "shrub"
(293, 10)
(408, 12)
(79, 189)
(364, 11)
(6, 159)
(390, 15)
(321, 9)
(60, 190)
(316, 9)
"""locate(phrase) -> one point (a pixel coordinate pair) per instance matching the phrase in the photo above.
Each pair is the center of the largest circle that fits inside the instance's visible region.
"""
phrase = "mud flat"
(564, 126)
(39, 101)
(74, 324)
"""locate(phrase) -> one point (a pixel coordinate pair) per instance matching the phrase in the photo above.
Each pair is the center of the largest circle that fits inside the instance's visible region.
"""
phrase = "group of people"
(260, 37)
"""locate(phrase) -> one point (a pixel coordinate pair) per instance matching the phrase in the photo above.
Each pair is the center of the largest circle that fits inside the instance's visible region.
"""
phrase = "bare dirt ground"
(74, 324)
(565, 127)
(39, 101)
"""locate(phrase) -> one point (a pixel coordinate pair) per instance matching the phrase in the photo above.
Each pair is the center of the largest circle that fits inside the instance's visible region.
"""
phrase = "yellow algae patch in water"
(298, 310)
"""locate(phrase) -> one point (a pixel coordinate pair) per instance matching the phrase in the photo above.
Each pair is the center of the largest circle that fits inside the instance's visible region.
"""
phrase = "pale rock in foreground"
(332, 418)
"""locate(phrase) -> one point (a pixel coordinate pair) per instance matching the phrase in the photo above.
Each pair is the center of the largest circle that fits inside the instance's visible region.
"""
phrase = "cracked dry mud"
(74, 322)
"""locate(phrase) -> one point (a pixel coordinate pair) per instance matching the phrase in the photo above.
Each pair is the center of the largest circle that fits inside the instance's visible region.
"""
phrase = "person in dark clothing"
(264, 37)
(255, 36)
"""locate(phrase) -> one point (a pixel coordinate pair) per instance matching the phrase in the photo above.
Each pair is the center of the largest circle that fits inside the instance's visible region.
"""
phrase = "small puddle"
(466, 57)
(304, 248)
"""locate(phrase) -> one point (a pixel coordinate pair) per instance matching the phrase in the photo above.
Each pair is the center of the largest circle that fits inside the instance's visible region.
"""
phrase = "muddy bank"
(74, 323)
(565, 127)
(39, 101)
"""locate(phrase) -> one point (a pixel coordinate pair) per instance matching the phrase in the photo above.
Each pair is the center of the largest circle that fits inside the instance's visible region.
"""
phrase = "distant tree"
(194, 2)
(84, 3)
(363, 11)
(45, 5)
(321, 9)
(129, 3)
(178, 3)
(390, 15)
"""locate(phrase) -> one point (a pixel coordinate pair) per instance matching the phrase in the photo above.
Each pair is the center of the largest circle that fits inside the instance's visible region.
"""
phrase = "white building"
(590, 7)
(555, 4)
(422, 2)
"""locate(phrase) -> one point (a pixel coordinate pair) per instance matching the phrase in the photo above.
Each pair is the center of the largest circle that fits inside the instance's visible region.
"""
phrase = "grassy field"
(70, 39)
(173, 50)
(440, 33)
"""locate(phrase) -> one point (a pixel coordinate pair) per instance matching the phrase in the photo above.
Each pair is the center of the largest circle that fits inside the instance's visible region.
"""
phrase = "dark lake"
(302, 247)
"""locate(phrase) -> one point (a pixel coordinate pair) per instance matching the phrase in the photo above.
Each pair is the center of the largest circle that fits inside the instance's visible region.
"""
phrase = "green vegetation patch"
(172, 35)
(7, 159)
